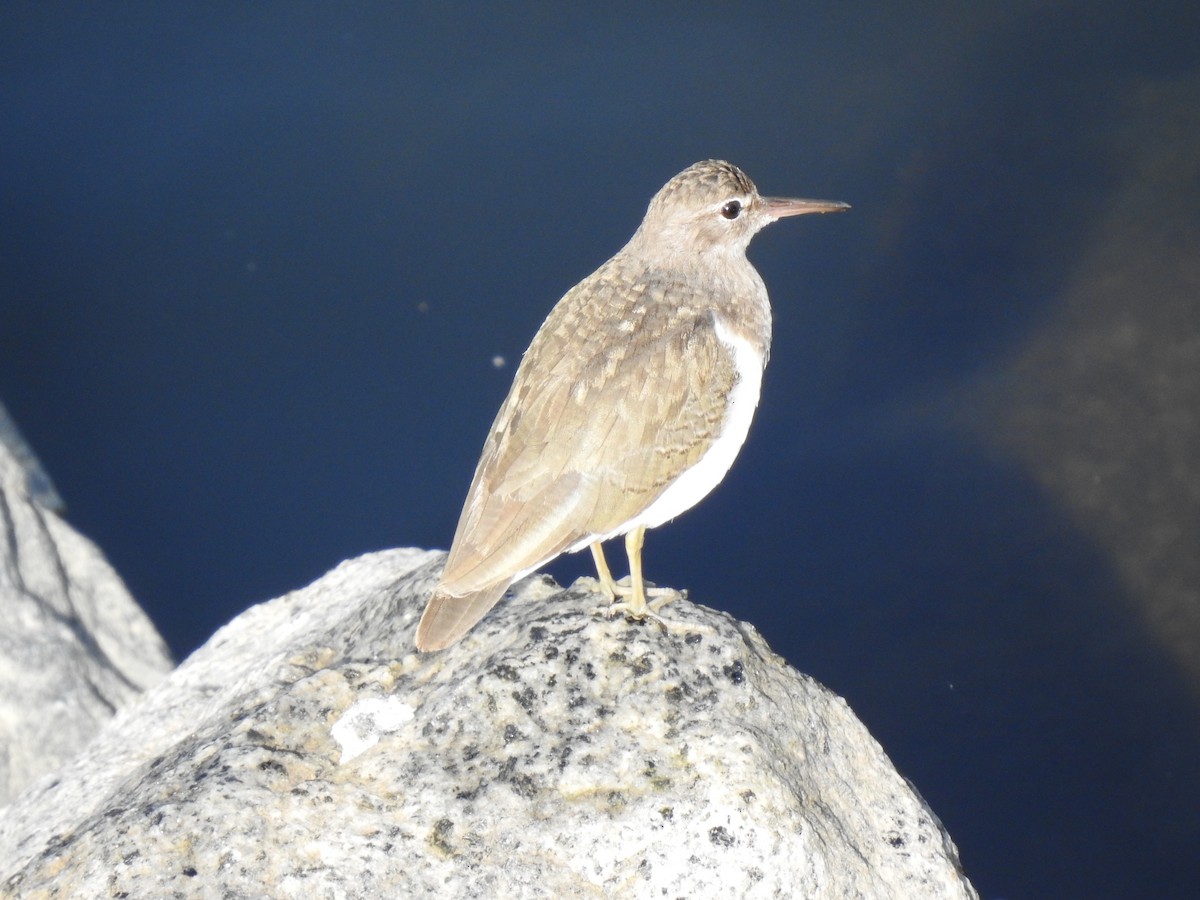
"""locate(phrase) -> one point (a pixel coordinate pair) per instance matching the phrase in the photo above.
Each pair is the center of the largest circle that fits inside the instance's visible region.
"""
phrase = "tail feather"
(448, 617)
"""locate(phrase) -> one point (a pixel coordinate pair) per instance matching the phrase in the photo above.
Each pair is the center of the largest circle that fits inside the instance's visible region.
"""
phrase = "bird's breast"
(695, 483)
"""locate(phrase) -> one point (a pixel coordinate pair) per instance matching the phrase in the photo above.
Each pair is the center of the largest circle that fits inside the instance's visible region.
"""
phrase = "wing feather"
(587, 450)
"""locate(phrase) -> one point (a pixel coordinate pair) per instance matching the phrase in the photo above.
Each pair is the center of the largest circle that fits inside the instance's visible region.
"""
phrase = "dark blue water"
(256, 264)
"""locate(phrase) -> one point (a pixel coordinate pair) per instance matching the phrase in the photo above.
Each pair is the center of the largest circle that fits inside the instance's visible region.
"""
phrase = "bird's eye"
(732, 209)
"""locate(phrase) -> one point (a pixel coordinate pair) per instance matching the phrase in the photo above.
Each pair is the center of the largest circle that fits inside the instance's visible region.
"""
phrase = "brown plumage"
(629, 388)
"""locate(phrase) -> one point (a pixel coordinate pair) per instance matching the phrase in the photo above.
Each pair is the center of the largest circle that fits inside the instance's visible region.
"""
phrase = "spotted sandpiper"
(630, 404)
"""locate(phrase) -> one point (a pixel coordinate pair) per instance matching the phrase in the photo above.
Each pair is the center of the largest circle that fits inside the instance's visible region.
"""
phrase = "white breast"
(695, 484)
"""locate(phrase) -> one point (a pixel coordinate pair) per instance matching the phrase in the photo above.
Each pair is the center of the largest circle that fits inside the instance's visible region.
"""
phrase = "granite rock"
(307, 751)
(74, 646)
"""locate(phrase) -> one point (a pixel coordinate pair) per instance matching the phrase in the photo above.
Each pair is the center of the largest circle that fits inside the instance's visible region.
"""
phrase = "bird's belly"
(695, 483)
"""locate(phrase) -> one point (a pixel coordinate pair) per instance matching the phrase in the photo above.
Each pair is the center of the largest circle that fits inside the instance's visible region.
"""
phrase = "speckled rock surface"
(74, 646)
(307, 751)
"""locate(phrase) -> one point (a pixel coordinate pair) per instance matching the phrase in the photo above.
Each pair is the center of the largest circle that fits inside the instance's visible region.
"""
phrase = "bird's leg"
(635, 593)
(636, 605)
(607, 585)
(660, 597)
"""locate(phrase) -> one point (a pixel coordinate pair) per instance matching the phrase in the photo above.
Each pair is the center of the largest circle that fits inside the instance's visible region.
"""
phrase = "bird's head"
(713, 208)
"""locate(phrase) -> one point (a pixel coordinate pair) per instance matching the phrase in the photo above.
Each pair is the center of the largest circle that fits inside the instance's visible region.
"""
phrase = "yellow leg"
(633, 603)
(636, 605)
(607, 585)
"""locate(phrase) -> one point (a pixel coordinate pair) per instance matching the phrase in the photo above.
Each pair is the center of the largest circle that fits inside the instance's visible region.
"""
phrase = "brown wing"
(583, 444)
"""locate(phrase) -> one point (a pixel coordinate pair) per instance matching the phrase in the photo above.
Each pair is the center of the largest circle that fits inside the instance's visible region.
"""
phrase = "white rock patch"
(361, 726)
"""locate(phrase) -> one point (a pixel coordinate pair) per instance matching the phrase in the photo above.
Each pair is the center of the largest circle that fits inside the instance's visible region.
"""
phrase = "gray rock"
(74, 646)
(307, 751)
(37, 483)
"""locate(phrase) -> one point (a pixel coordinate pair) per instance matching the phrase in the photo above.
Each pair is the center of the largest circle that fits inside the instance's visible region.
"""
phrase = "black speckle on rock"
(526, 698)
(672, 731)
(58, 841)
(720, 836)
(734, 672)
(896, 840)
(439, 838)
(523, 786)
(643, 666)
(512, 733)
(471, 794)
(747, 797)
(190, 871)
(658, 781)
(675, 694)
(506, 672)
(589, 671)
(667, 812)
(564, 755)
(693, 638)
(537, 633)
(551, 652)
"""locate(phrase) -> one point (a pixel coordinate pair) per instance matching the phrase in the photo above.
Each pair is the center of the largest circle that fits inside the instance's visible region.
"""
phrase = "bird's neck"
(732, 288)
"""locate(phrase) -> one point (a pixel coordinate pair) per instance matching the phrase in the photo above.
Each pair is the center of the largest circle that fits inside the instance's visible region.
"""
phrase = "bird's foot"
(634, 605)
(642, 609)
(632, 611)
(657, 598)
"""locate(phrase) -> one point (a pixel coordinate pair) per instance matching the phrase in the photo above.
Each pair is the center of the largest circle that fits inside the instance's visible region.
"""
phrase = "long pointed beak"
(779, 207)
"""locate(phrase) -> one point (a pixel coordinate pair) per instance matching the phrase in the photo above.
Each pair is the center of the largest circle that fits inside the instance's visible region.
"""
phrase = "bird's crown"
(701, 184)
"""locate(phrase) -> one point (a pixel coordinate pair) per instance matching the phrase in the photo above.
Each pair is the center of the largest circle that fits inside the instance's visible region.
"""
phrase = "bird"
(629, 405)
